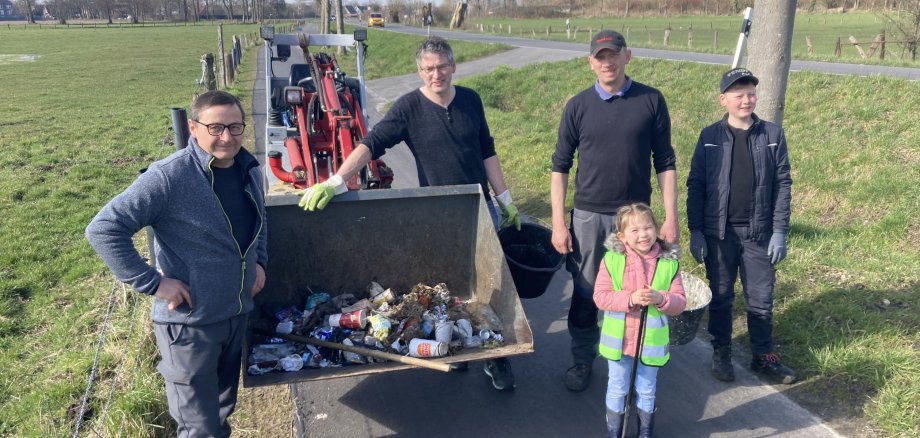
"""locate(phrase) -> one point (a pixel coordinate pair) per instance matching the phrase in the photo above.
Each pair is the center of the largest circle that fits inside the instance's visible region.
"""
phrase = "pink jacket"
(638, 272)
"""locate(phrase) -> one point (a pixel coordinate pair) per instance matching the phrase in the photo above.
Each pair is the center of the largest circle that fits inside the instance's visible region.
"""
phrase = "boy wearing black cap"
(738, 206)
(621, 129)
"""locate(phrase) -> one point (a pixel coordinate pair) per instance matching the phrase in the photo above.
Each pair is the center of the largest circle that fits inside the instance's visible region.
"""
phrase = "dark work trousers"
(723, 260)
(589, 230)
(201, 367)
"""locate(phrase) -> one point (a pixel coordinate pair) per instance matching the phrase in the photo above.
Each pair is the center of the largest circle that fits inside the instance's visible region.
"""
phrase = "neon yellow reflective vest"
(655, 345)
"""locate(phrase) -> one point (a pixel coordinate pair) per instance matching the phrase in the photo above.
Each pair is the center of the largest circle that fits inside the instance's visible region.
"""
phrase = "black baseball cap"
(735, 75)
(607, 39)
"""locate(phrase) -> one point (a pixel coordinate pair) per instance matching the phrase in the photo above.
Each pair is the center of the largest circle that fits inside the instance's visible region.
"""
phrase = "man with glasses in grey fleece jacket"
(206, 207)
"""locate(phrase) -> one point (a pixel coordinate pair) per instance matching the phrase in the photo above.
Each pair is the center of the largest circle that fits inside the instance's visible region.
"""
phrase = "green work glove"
(318, 195)
(510, 215)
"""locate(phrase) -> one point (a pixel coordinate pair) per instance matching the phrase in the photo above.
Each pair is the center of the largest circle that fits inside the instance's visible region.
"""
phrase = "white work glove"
(318, 195)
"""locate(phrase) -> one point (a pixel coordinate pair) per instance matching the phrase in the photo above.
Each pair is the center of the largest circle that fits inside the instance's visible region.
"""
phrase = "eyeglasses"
(216, 129)
(440, 68)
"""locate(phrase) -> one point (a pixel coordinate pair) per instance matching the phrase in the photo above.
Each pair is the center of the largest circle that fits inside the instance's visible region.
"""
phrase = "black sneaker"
(500, 372)
(576, 378)
(769, 365)
(722, 368)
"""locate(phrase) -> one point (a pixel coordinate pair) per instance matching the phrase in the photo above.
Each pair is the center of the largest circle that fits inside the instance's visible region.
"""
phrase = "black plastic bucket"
(531, 258)
(682, 328)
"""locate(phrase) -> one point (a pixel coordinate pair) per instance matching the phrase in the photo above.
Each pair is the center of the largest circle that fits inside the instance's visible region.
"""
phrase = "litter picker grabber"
(640, 338)
(742, 37)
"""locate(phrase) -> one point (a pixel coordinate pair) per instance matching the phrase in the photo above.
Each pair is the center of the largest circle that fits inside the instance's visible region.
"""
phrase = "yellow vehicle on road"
(375, 19)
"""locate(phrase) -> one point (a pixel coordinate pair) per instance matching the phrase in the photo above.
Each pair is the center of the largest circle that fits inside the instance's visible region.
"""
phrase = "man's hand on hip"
(260, 280)
(174, 292)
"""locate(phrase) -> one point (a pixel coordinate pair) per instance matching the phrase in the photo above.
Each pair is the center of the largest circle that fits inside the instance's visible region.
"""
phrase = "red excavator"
(317, 113)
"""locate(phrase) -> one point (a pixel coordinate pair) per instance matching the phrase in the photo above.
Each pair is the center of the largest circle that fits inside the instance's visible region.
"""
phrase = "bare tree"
(770, 54)
(339, 23)
(906, 25)
(323, 6)
(61, 9)
(105, 7)
(25, 6)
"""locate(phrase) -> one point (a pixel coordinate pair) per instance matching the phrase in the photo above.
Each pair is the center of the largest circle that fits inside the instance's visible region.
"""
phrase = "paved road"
(708, 58)
(427, 403)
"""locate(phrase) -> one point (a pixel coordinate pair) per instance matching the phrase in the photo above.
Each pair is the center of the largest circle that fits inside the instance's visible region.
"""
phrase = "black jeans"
(724, 259)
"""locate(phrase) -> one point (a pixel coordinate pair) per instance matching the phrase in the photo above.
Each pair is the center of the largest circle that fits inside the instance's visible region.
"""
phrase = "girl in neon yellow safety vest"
(638, 270)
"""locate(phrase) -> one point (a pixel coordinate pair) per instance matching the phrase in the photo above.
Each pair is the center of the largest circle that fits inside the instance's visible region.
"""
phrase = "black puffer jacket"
(708, 185)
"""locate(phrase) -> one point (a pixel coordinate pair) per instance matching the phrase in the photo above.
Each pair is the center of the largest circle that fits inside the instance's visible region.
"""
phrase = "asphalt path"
(707, 58)
(427, 403)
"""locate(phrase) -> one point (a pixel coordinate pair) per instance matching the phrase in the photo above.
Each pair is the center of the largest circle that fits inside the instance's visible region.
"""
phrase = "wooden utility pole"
(770, 54)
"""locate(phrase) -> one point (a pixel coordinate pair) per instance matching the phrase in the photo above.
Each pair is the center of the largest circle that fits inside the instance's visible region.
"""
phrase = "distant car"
(375, 19)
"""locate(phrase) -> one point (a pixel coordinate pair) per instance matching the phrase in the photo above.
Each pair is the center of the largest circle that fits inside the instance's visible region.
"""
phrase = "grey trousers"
(589, 230)
(201, 368)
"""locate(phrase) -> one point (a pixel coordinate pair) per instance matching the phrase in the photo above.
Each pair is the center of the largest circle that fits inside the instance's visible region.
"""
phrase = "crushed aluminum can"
(427, 348)
(465, 332)
(400, 346)
(349, 356)
(323, 333)
(382, 298)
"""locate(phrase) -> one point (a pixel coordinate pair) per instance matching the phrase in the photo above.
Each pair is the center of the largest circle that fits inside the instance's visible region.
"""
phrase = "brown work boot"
(769, 365)
(576, 378)
(722, 368)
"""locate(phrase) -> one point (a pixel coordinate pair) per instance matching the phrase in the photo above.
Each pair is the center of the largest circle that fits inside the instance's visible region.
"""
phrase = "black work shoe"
(500, 372)
(769, 365)
(722, 368)
(461, 367)
(576, 378)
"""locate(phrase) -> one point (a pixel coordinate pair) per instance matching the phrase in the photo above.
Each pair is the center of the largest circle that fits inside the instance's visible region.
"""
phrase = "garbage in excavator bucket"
(398, 238)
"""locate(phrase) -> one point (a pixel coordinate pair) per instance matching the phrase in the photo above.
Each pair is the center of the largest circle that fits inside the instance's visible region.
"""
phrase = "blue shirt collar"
(607, 96)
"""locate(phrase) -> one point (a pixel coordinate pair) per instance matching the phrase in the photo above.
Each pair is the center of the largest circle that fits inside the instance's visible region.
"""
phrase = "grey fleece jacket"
(194, 240)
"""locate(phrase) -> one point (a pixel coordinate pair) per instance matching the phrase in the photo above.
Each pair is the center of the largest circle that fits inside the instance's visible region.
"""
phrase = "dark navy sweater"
(618, 140)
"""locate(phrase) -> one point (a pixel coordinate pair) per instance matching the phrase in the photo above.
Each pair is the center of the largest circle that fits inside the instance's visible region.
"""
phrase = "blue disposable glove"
(698, 245)
(776, 249)
(510, 214)
(318, 195)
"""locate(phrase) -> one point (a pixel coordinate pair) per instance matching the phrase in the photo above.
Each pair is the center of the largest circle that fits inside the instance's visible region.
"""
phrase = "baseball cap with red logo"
(607, 39)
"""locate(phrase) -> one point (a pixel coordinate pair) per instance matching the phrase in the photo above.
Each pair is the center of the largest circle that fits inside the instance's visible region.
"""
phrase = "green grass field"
(92, 109)
(648, 32)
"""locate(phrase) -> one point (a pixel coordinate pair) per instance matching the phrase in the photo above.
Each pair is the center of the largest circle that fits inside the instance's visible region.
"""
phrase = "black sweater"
(449, 144)
(616, 139)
